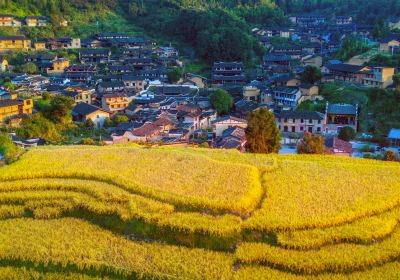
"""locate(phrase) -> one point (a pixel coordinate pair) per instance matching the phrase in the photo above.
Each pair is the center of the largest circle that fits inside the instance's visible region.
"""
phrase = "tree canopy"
(311, 74)
(311, 145)
(262, 133)
(222, 101)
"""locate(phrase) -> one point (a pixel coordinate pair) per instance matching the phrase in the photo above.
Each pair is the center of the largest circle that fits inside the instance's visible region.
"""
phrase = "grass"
(128, 212)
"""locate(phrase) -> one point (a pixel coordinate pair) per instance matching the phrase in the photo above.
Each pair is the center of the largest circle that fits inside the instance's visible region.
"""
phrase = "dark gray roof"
(84, 109)
(300, 115)
(343, 67)
(342, 109)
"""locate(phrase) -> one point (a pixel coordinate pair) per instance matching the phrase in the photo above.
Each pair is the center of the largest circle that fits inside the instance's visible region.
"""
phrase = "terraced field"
(132, 212)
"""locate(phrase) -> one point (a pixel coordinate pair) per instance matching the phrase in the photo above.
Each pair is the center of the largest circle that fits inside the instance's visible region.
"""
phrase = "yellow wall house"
(40, 46)
(9, 43)
(13, 107)
(58, 66)
(81, 95)
(114, 102)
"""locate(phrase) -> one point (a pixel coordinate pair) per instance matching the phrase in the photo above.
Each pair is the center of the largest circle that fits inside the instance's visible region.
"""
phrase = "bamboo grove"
(131, 212)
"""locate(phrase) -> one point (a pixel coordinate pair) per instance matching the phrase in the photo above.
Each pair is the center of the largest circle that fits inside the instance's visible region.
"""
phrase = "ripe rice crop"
(183, 179)
(339, 258)
(88, 247)
(320, 191)
(364, 231)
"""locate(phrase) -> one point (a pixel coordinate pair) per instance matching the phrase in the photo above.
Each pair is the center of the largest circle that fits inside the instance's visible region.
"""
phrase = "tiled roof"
(300, 115)
(342, 109)
(394, 133)
(338, 144)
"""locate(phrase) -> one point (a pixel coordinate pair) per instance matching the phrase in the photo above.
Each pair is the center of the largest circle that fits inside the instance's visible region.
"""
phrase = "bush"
(88, 141)
(347, 133)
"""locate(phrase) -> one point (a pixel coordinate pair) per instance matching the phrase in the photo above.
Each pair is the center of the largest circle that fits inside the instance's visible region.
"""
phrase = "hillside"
(185, 213)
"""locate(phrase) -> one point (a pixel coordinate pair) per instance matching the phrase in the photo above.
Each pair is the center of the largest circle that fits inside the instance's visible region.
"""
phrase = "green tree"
(60, 109)
(347, 133)
(39, 126)
(262, 133)
(311, 145)
(311, 74)
(8, 149)
(222, 101)
(174, 75)
(119, 118)
(29, 68)
(396, 81)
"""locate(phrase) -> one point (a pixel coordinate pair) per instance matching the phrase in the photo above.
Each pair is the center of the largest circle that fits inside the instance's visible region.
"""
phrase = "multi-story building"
(11, 43)
(380, 77)
(63, 43)
(114, 102)
(286, 97)
(300, 121)
(228, 74)
(13, 107)
(94, 55)
(80, 94)
(36, 21)
(338, 116)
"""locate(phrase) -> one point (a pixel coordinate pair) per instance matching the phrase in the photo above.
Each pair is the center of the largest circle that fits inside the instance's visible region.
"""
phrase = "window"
(319, 129)
(302, 120)
(310, 120)
(285, 128)
(98, 116)
(293, 129)
(301, 128)
(294, 120)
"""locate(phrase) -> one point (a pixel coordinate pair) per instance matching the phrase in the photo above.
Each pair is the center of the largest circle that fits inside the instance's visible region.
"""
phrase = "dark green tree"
(8, 149)
(222, 101)
(347, 133)
(60, 109)
(174, 75)
(311, 74)
(262, 133)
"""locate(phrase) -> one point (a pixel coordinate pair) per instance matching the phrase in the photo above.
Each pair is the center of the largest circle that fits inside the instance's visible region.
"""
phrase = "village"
(134, 90)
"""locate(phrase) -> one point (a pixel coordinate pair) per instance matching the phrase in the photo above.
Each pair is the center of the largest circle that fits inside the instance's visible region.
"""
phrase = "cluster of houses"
(8, 20)
(133, 81)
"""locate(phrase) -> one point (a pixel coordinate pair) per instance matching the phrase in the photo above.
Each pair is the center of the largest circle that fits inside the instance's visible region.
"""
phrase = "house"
(338, 116)
(338, 147)
(300, 121)
(251, 93)
(39, 46)
(58, 66)
(309, 89)
(347, 72)
(132, 82)
(11, 43)
(6, 20)
(380, 77)
(309, 20)
(114, 86)
(343, 20)
(286, 97)
(94, 56)
(196, 80)
(286, 81)
(273, 59)
(394, 137)
(63, 43)
(3, 64)
(222, 123)
(36, 21)
(83, 112)
(166, 52)
(80, 72)
(227, 74)
(173, 90)
(146, 132)
(114, 102)
(389, 43)
(13, 107)
(232, 138)
(80, 94)
(312, 60)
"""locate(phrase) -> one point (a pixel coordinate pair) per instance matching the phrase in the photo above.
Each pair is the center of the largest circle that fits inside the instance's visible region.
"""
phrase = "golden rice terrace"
(183, 213)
